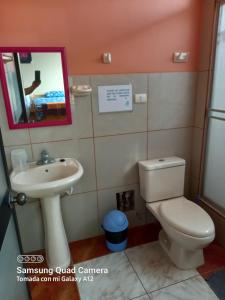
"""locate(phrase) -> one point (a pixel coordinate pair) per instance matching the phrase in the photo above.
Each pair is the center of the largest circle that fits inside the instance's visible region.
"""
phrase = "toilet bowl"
(182, 239)
(187, 228)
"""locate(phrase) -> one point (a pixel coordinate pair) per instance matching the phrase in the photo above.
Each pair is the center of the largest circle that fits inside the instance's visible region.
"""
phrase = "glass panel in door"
(214, 165)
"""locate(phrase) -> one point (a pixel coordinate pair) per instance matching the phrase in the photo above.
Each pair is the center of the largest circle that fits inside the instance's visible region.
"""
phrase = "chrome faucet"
(45, 158)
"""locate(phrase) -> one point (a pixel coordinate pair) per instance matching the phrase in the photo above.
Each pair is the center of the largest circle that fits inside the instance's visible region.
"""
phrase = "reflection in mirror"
(36, 87)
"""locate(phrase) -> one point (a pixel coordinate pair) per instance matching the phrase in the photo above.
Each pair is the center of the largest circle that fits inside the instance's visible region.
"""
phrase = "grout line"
(86, 138)
(103, 136)
(137, 132)
(81, 193)
(196, 275)
(145, 131)
(202, 128)
(175, 283)
(53, 141)
(116, 134)
(92, 114)
(94, 154)
(118, 186)
(20, 145)
(138, 297)
(172, 128)
(135, 272)
(94, 190)
(32, 150)
(29, 135)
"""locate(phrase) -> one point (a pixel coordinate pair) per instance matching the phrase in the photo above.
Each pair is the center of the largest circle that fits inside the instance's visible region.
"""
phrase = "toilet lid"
(187, 217)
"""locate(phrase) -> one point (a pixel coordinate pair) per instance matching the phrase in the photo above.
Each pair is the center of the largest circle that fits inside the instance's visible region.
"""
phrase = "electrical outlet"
(140, 98)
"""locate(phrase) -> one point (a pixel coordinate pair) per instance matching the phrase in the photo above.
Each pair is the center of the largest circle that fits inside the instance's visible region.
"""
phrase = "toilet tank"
(161, 178)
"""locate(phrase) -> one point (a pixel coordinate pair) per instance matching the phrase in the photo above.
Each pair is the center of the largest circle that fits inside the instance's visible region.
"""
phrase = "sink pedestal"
(56, 245)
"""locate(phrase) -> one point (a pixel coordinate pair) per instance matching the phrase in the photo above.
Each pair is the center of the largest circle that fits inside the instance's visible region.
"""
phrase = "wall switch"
(140, 98)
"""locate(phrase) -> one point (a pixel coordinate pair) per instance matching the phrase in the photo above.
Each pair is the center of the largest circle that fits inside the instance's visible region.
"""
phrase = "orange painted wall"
(140, 34)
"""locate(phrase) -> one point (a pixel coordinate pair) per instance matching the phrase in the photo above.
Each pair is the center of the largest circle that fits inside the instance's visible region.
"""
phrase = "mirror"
(35, 86)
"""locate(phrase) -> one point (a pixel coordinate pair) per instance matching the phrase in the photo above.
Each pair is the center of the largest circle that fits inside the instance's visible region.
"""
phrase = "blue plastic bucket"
(115, 225)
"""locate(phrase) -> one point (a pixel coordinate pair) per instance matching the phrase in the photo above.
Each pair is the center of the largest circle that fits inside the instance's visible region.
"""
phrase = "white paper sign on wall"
(114, 98)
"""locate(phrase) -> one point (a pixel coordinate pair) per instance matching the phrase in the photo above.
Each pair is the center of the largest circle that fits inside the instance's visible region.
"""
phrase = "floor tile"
(94, 247)
(153, 267)
(121, 283)
(192, 289)
(145, 297)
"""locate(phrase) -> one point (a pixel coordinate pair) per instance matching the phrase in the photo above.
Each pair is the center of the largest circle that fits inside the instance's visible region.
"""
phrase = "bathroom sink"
(46, 180)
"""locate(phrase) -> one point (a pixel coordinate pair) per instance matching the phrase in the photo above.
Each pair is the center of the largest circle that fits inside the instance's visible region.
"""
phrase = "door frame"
(204, 199)
(7, 212)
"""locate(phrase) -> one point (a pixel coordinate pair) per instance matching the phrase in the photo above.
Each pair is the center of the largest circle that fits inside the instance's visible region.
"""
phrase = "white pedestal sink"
(48, 182)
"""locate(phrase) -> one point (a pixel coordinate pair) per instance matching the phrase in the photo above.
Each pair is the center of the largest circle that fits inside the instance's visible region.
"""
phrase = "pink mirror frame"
(12, 125)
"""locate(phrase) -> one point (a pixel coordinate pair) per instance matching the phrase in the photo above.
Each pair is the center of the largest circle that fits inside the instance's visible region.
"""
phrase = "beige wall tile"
(85, 156)
(171, 100)
(11, 137)
(116, 149)
(196, 152)
(80, 216)
(117, 157)
(122, 122)
(56, 149)
(172, 142)
(82, 150)
(51, 134)
(8, 150)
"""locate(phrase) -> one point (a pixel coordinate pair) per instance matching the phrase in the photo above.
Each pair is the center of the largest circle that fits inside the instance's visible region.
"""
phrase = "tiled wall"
(109, 147)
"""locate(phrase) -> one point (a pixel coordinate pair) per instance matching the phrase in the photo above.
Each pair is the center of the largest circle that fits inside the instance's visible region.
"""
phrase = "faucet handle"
(45, 158)
(44, 153)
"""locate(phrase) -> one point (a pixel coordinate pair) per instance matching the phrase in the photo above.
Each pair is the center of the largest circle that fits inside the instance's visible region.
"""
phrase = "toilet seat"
(187, 217)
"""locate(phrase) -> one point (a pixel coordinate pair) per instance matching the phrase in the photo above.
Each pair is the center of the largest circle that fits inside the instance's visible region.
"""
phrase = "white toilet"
(187, 228)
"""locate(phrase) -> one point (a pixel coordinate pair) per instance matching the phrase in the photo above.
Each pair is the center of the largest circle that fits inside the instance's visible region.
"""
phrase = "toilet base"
(182, 258)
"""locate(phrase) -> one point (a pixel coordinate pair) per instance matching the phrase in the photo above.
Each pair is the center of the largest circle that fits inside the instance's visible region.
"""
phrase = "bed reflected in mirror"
(35, 87)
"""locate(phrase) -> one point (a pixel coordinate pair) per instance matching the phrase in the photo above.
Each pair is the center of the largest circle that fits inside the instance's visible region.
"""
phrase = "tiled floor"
(82, 251)
(141, 272)
(95, 247)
